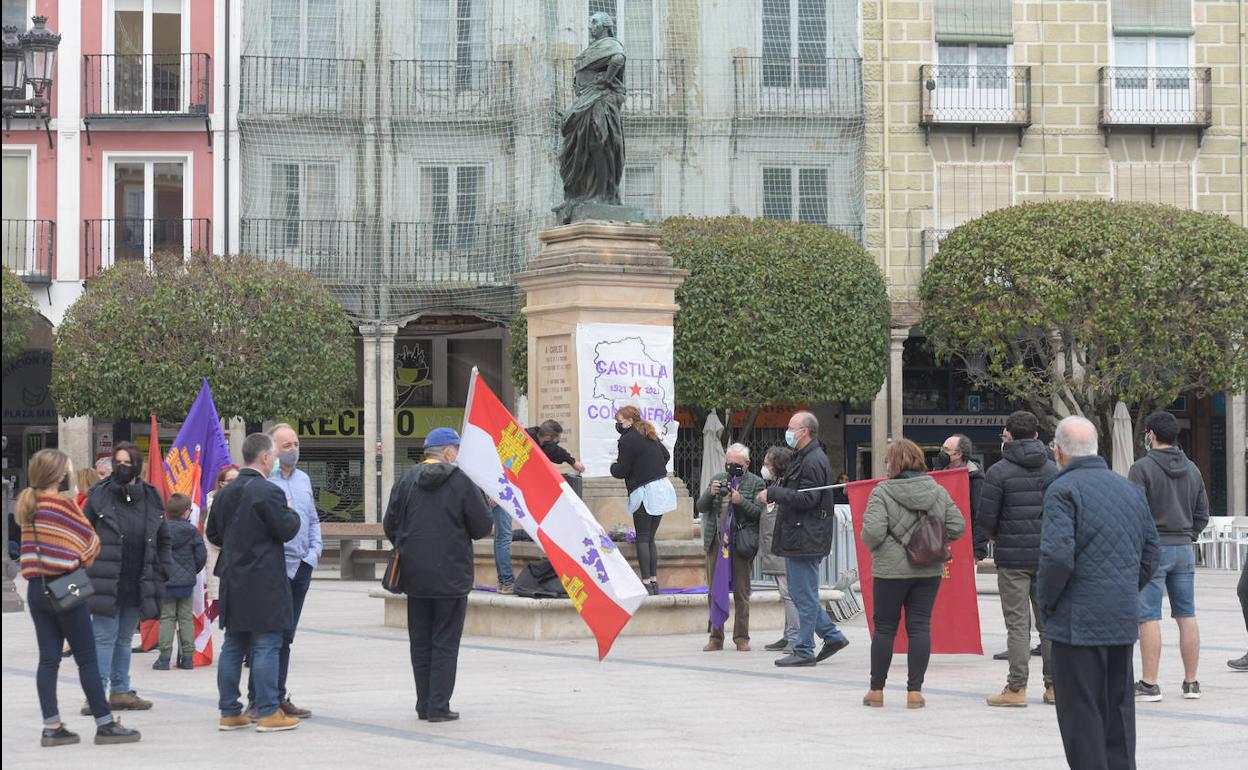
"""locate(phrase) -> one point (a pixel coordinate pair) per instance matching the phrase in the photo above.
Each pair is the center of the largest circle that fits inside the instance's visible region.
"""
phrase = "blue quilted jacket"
(1098, 548)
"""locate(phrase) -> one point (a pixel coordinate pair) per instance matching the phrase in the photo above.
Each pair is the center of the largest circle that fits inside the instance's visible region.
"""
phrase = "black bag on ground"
(540, 581)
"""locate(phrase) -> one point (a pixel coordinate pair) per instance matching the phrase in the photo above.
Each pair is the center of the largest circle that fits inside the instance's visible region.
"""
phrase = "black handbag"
(745, 542)
(68, 591)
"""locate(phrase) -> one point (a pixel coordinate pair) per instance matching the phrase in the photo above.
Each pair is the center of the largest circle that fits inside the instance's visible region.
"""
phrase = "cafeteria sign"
(408, 423)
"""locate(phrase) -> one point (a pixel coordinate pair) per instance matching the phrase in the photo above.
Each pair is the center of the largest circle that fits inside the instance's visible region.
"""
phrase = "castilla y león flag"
(955, 619)
(498, 455)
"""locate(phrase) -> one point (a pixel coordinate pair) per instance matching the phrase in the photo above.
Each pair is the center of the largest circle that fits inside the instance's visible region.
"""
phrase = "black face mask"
(942, 460)
(64, 485)
(123, 474)
(735, 470)
(620, 429)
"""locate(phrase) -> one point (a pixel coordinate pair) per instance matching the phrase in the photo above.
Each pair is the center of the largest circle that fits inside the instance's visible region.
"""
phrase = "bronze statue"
(592, 159)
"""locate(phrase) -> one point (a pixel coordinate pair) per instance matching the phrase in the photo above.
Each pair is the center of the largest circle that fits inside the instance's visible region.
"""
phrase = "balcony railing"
(464, 254)
(288, 85)
(655, 88)
(109, 241)
(852, 231)
(1156, 96)
(929, 243)
(974, 95)
(29, 247)
(146, 85)
(333, 250)
(772, 87)
(454, 90)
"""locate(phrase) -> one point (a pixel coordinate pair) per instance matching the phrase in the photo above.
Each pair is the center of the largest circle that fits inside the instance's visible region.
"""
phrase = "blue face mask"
(790, 438)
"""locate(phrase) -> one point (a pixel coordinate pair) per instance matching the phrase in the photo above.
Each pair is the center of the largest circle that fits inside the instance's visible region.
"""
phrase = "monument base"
(607, 499)
(605, 212)
(682, 563)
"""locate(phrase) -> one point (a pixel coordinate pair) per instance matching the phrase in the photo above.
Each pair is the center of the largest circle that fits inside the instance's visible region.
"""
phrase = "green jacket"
(892, 506)
(747, 512)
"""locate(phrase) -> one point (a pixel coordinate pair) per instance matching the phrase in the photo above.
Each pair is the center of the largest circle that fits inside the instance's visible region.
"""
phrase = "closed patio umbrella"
(1123, 439)
(712, 450)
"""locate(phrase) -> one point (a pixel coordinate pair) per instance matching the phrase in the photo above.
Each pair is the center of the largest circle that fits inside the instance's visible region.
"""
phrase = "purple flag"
(199, 452)
(722, 580)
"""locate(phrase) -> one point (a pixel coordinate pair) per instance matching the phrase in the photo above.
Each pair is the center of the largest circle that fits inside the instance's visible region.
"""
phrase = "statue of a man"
(592, 159)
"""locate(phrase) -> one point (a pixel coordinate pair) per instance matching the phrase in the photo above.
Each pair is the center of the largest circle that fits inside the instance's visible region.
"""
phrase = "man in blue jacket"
(1098, 548)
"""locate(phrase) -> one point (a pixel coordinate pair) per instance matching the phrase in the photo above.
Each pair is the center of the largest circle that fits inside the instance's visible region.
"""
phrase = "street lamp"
(29, 60)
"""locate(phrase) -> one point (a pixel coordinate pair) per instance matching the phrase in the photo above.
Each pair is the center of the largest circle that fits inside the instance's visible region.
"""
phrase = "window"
(144, 74)
(634, 24)
(305, 197)
(795, 26)
(1152, 78)
(17, 13)
(452, 206)
(1153, 182)
(972, 81)
(453, 31)
(967, 191)
(799, 194)
(149, 204)
(640, 189)
(303, 36)
(18, 207)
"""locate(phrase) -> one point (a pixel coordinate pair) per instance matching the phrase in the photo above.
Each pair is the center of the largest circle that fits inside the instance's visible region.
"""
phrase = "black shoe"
(113, 732)
(1239, 664)
(58, 737)
(1147, 693)
(161, 664)
(449, 716)
(777, 646)
(1036, 651)
(831, 648)
(790, 661)
(1004, 655)
(186, 662)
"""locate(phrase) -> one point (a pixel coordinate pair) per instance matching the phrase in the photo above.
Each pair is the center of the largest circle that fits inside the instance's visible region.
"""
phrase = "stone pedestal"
(596, 272)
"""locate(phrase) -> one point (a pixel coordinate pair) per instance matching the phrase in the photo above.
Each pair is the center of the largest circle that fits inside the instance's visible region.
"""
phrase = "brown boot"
(914, 700)
(714, 645)
(1049, 697)
(874, 699)
(1009, 697)
(128, 701)
(743, 645)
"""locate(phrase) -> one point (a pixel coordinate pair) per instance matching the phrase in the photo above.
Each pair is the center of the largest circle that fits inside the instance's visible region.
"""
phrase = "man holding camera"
(738, 487)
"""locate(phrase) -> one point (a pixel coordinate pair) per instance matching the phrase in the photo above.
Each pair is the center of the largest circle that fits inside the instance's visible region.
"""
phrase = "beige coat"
(214, 552)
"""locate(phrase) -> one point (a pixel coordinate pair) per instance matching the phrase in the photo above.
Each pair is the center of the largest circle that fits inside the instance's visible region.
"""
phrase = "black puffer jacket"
(1011, 503)
(640, 460)
(434, 514)
(109, 506)
(189, 553)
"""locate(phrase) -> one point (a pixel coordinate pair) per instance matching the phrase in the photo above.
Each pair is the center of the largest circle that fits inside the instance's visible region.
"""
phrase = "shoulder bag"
(928, 543)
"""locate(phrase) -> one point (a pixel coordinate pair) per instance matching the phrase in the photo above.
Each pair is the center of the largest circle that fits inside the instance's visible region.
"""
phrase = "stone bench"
(354, 563)
(515, 617)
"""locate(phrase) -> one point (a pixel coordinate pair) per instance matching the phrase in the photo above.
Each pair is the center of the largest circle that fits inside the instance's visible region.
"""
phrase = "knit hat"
(441, 437)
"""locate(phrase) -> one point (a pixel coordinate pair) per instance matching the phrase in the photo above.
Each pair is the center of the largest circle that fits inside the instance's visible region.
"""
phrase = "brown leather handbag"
(928, 543)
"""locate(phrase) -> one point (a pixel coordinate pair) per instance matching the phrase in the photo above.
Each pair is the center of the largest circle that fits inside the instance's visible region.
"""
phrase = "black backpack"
(540, 581)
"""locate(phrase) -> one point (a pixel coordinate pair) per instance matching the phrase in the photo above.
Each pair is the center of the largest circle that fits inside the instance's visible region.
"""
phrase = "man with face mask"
(735, 487)
(303, 551)
(956, 453)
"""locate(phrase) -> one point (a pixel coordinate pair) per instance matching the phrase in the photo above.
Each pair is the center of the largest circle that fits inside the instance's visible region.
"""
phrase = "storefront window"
(461, 356)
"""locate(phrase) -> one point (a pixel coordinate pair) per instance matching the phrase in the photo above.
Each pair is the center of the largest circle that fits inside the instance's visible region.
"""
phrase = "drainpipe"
(225, 94)
(1243, 118)
(886, 187)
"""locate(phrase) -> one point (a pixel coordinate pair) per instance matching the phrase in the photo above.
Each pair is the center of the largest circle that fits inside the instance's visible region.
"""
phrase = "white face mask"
(766, 473)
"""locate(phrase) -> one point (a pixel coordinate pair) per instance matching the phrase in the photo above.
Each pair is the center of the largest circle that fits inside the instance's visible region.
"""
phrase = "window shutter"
(1141, 182)
(1164, 18)
(974, 21)
(967, 191)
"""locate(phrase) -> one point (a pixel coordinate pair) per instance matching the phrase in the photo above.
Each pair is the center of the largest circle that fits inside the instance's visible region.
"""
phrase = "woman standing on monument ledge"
(592, 159)
(642, 463)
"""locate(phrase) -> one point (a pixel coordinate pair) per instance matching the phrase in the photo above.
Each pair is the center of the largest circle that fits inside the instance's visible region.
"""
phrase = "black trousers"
(1095, 694)
(646, 526)
(1242, 590)
(434, 628)
(918, 597)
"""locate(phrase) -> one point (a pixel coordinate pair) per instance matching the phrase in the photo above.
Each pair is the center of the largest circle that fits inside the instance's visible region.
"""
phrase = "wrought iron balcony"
(974, 96)
(809, 88)
(146, 86)
(460, 255)
(1153, 97)
(655, 88)
(929, 243)
(450, 90)
(29, 247)
(334, 250)
(109, 241)
(283, 86)
(851, 231)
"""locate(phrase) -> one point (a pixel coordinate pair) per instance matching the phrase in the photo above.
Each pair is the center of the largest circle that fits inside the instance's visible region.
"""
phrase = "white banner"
(619, 365)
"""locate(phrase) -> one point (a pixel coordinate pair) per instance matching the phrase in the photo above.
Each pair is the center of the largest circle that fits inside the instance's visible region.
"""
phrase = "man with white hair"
(734, 542)
(104, 468)
(1098, 548)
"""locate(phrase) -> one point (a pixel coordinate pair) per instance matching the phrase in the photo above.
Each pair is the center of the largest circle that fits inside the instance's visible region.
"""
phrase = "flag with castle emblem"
(498, 455)
(194, 459)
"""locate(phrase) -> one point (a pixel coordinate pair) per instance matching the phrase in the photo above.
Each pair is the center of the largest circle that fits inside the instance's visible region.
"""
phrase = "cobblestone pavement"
(657, 702)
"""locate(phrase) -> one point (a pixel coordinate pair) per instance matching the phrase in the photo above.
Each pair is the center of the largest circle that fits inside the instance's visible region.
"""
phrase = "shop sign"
(408, 423)
(938, 420)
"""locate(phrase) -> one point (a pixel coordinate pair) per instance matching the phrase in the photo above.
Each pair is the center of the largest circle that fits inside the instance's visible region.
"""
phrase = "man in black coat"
(805, 526)
(956, 453)
(434, 514)
(250, 522)
(1011, 511)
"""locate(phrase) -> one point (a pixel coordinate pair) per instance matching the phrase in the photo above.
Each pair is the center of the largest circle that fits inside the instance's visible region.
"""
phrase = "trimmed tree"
(270, 339)
(1072, 306)
(772, 312)
(19, 309)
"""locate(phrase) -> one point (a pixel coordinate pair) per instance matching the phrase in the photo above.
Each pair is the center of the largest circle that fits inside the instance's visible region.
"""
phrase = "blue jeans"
(51, 630)
(502, 546)
(265, 651)
(113, 638)
(803, 576)
(1176, 577)
(299, 585)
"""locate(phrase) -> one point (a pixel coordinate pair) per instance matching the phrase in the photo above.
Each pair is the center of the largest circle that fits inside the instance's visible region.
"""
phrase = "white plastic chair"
(1236, 542)
(1207, 545)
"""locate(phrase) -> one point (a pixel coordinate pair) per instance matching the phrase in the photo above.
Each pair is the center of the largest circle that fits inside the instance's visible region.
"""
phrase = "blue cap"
(442, 437)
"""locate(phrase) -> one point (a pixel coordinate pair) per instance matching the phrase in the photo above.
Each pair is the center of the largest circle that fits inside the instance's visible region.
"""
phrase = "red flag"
(955, 619)
(155, 465)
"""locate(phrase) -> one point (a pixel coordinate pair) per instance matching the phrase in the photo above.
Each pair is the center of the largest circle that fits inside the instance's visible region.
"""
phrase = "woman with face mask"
(642, 463)
(775, 462)
(130, 573)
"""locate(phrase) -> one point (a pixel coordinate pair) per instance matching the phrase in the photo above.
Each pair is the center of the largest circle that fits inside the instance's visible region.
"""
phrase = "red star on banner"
(636, 389)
